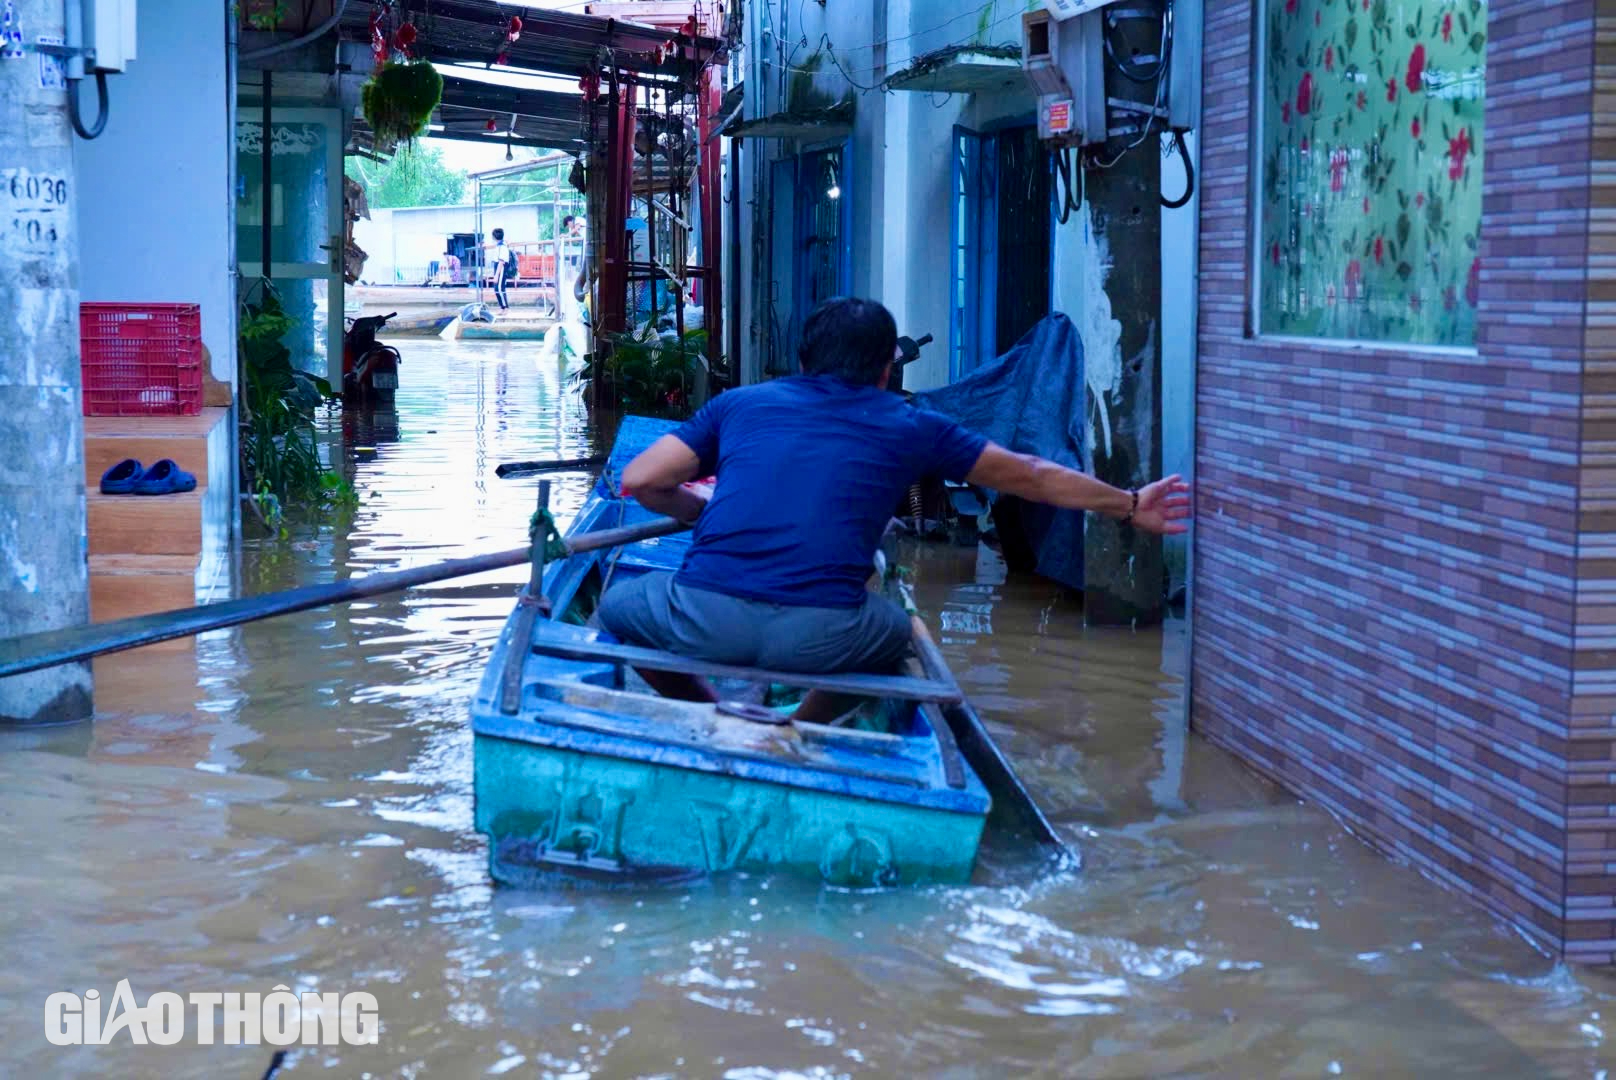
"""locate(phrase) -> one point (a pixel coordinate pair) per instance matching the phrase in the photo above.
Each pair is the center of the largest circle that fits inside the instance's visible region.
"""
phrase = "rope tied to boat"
(543, 526)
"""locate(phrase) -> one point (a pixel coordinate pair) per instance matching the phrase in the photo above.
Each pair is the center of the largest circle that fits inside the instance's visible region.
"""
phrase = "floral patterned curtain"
(1370, 172)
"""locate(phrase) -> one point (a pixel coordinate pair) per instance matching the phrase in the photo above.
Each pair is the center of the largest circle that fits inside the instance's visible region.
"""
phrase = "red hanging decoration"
(491, 125)
(378, 38)
(514, 31)
(404, 37)
(503, 60)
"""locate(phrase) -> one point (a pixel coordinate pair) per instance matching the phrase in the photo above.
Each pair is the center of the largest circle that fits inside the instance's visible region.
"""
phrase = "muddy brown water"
(290, 804)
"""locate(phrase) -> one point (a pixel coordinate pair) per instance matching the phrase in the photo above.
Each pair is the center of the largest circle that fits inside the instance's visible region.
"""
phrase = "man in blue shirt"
(809, 470)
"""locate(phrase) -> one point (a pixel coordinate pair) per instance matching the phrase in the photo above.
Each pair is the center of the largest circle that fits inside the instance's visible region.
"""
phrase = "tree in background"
(556, 188)
(416, 176)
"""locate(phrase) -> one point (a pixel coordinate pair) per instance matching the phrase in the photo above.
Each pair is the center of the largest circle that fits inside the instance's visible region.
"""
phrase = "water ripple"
(292, 802)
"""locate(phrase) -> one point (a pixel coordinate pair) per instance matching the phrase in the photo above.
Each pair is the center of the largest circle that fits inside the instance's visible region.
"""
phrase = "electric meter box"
(1070, 9)
(1184, 67)
(1063, 55)
(1065, 62)
(109, 34)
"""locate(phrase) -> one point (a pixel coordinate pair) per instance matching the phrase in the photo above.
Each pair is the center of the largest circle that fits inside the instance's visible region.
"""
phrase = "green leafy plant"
(262, 14)
(649, 376)
(399, 98)
(280, 454)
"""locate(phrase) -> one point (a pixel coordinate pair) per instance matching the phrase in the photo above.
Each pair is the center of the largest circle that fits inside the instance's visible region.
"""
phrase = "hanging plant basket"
(399, 99)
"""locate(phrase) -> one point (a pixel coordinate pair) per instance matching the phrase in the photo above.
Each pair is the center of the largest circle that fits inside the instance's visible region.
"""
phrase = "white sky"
(474, 158)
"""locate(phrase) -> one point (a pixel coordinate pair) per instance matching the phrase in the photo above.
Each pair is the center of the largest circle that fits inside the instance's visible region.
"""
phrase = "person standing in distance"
(502, 264)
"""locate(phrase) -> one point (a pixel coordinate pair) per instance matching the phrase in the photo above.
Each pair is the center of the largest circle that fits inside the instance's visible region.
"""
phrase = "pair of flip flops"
(130, 477)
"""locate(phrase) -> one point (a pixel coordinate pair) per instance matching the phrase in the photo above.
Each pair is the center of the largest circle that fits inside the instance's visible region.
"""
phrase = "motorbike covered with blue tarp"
(1031, 400)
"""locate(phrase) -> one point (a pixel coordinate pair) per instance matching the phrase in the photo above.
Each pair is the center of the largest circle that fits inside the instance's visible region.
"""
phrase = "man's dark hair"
(849, 338)
(566, 222)
(499, 234)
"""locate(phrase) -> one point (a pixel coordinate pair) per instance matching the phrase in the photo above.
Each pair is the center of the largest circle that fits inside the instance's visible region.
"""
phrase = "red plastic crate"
(141, 359)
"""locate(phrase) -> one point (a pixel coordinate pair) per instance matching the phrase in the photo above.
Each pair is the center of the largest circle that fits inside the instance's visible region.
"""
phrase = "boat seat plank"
(901, 687)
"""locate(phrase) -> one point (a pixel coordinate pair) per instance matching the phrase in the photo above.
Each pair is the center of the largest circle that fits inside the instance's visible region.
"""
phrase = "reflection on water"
(291, 803)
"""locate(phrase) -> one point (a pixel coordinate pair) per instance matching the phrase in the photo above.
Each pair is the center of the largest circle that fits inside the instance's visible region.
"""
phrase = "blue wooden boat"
(581, 770)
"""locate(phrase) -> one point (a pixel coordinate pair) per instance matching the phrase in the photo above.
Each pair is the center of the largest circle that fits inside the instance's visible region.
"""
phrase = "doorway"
(305, 223)
(1023, 222)
(822, 229)
(1001, 229)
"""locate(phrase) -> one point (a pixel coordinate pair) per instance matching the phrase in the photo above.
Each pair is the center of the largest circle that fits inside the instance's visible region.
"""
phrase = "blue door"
(1001, 227)
(823, 254)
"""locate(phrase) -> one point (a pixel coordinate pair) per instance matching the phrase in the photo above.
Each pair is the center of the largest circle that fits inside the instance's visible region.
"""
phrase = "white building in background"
(402, 244)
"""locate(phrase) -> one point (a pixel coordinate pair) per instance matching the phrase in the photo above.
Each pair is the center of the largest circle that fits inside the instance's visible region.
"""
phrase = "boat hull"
(551, 812)
(579, 775)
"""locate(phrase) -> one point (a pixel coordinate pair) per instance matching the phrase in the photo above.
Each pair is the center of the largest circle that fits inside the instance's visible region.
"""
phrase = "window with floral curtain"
(1369, 173)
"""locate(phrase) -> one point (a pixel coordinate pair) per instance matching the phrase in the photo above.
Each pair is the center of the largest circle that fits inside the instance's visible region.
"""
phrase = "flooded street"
(290, 803)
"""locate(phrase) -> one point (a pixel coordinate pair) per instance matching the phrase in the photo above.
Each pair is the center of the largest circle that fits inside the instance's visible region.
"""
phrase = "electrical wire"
(1126, 67)
(830, 50)
(849, 75)
(929, 30)
(1067, 199)
(101, 104)
(1162, 77)
(1183, 149)
(297, 42)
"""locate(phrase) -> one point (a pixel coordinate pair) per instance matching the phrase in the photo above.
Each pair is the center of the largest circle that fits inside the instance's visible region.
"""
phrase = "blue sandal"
(122, 477)
(165, 478)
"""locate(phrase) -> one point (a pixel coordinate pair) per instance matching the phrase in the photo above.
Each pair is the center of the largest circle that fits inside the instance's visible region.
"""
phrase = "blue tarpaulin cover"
(1032, 400)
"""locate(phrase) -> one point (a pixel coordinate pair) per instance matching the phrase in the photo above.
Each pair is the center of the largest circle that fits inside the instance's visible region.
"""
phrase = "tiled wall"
(1591, 861)
(1387, 540)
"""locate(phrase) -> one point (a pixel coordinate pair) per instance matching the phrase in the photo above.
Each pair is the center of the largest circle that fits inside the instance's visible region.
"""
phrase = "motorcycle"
(369, 368)
(931, 503)
(908, 353)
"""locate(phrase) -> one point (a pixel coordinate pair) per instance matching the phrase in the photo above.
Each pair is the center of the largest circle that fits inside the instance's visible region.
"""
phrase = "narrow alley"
(296, 795)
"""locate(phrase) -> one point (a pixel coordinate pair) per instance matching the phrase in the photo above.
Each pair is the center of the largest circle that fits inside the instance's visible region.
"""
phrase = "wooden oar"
(49, 648)
(528, 468)
(1012, 804)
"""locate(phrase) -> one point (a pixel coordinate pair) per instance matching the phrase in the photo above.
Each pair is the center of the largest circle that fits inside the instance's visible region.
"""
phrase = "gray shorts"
(655, 611)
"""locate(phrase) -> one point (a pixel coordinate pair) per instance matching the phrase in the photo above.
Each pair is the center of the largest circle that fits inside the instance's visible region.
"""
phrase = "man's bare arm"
(655, 476)
(1162, 508)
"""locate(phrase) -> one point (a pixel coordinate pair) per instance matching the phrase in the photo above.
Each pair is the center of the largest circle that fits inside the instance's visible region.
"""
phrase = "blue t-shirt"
(810, 470)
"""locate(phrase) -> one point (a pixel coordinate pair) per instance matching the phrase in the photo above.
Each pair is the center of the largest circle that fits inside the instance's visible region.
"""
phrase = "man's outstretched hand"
(1164, 507)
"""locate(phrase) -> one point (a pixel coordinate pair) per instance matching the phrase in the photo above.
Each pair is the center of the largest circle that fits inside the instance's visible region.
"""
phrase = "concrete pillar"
(1123, 567)
(44, 573)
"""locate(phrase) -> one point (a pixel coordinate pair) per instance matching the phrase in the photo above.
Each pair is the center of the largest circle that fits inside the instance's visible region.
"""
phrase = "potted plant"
(399, 99)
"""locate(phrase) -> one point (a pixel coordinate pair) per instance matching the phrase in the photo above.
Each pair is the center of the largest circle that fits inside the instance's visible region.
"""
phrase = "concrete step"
(146, 524)
(149, 439)
(122, 586)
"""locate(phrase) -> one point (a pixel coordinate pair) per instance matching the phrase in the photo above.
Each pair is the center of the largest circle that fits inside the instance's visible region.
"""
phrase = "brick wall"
(1591, 858)
(1387, 562)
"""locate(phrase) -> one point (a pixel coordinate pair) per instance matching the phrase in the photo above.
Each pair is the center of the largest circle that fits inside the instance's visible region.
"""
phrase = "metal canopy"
(542, 117)
(552, 42)
(471, 125)
(963, 70)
